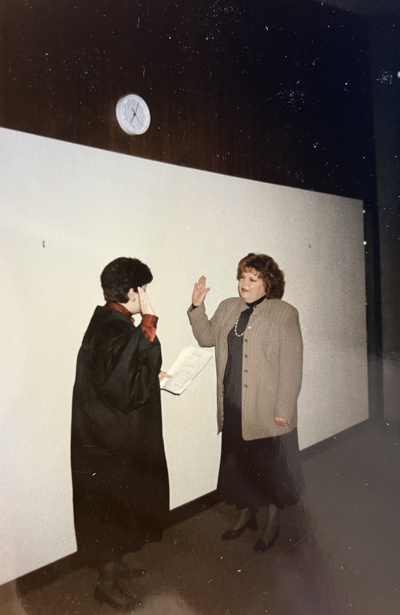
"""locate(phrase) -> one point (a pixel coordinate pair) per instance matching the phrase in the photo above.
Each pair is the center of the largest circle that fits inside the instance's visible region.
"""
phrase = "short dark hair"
(122, 274)
(271, 275)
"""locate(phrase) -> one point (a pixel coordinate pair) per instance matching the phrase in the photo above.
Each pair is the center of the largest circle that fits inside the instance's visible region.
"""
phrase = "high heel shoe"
(232, 534)
(263, 545)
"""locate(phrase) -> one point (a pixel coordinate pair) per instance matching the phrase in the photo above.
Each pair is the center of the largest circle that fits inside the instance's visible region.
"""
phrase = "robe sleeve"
(124, 366)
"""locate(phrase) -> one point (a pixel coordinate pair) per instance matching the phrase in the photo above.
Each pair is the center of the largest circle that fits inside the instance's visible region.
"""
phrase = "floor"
(338, 552)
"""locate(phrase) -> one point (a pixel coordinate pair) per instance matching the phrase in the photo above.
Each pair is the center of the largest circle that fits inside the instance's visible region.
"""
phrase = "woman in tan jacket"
(259, 354)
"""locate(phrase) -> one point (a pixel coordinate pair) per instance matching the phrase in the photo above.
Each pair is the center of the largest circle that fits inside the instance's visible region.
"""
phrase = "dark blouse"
(233, 370)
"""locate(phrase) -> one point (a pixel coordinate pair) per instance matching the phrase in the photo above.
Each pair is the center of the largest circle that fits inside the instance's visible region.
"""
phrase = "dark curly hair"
(122, 274)
(271, 275)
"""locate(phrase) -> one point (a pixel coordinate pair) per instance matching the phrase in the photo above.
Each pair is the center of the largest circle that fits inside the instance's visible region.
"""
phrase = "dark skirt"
(255, 473)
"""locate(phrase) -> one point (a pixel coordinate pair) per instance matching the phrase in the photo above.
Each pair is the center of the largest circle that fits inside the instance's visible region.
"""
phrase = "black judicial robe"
(119, 470)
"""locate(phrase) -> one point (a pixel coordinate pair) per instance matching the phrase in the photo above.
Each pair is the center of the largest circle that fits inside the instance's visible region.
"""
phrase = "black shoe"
(264, 545)
(114, 596)
(231, 534)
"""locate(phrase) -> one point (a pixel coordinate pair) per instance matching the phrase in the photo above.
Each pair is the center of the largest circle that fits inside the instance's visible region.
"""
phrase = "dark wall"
(385, 46)
(277, 91)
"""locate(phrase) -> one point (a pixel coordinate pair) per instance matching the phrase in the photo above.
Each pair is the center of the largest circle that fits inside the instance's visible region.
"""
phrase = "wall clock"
(133, 114)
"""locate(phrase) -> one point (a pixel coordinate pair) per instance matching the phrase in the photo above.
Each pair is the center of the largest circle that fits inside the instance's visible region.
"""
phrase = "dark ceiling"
(364, 7)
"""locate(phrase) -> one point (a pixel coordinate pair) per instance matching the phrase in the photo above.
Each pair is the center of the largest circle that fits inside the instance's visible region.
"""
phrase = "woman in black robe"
(119, 470)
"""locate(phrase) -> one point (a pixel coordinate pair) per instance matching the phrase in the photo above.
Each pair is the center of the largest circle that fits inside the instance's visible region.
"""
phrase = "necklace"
(235, 328)
(247, 313)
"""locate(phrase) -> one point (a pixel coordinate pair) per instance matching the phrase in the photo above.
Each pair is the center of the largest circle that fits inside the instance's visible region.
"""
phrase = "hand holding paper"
(189, 363)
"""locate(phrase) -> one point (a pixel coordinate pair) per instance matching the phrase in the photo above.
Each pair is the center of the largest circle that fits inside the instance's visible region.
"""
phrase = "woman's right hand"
(200, 291)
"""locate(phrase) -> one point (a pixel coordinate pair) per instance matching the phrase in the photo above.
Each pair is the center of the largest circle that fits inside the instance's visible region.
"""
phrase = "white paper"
(189, 363)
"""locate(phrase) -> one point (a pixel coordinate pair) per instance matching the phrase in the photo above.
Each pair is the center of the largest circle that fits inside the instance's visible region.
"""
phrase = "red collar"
(120, 308)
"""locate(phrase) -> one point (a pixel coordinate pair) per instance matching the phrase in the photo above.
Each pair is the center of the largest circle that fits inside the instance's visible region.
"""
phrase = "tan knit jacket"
(272, 361)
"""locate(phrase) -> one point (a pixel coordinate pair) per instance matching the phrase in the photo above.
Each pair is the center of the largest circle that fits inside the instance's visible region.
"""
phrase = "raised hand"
(145, 305)
(200, 291)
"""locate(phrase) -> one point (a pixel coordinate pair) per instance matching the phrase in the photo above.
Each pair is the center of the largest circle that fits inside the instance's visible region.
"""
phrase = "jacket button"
(246, 340)
(246, 371)
(245, 356)
(245, 386)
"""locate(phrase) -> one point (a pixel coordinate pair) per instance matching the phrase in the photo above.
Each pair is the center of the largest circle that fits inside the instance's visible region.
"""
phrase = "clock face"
(133, 114)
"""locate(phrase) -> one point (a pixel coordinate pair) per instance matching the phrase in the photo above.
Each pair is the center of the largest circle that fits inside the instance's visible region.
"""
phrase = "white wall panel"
(66, 211)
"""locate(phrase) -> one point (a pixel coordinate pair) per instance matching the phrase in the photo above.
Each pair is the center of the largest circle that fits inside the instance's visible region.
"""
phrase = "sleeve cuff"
(149, 320)
(148, 326)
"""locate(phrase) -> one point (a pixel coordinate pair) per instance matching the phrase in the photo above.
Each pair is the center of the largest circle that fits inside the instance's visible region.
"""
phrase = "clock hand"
(134, 111)
(136, 117)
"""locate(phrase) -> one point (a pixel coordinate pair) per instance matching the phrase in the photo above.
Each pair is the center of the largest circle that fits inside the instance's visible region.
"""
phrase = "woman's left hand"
(145, 305)
(282, 422)
(162, 375)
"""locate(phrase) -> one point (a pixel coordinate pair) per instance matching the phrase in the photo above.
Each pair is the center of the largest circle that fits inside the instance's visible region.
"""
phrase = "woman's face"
(251, 286)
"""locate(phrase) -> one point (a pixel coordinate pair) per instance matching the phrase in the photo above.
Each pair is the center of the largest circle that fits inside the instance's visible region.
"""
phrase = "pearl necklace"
(235, 328)
(253, 307)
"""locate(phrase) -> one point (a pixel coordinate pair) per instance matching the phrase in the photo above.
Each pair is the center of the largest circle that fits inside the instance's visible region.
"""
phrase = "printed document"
(189, 363)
